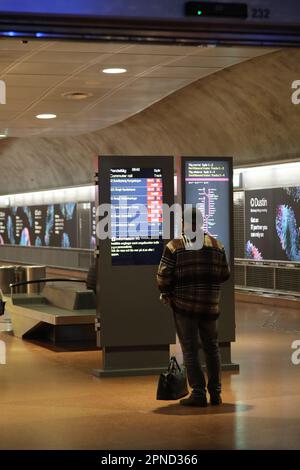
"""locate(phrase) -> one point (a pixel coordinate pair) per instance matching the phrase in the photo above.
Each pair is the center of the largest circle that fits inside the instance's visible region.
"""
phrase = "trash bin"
(7, 276)
(34, 273)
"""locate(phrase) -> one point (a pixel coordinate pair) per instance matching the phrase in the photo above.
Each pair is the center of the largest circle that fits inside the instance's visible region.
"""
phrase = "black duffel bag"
(2, 307)
(172, 384)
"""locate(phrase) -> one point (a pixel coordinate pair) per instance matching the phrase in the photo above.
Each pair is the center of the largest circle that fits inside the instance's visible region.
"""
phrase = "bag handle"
(173, 363)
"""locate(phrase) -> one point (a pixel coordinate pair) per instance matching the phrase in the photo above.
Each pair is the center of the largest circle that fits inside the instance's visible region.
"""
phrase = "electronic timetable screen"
(208, 183)
(136, 217)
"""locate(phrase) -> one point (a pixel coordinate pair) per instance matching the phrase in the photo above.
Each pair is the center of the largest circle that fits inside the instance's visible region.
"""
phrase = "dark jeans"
(189, 330)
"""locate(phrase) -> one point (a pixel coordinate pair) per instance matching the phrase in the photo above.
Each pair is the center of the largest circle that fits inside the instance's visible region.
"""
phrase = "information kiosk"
(135, 328)
(208, 183)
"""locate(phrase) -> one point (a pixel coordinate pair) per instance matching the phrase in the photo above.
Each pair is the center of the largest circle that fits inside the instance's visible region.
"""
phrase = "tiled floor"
(50, 400)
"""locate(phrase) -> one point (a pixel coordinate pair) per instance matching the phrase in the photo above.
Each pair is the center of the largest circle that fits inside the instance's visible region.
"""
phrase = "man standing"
(189, 277)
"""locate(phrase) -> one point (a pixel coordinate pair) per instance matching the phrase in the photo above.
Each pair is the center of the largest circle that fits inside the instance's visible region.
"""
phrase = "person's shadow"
(177, 409)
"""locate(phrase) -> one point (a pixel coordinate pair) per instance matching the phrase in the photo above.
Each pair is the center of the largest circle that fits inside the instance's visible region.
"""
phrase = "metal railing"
(275, 277)
(43, 280)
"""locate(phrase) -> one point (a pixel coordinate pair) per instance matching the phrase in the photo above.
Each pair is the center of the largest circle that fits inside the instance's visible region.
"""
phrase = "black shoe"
(194, 401)
(215, 400)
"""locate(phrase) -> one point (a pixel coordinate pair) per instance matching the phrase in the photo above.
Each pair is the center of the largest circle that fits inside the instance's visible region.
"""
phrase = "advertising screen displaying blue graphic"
(272, 224)
(4, 213)
(23, 225)
(54, 225)
(16, 225)
(136, 220)
(39, 225)
(93, 237)
(64, 226)
(8, 217)
(44, 225)
(208, 184)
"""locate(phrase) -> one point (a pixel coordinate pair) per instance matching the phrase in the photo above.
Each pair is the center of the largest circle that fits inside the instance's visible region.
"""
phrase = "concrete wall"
(244, 111)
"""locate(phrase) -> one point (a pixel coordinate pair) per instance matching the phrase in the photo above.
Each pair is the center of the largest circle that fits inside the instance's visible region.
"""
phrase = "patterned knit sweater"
(192, 278)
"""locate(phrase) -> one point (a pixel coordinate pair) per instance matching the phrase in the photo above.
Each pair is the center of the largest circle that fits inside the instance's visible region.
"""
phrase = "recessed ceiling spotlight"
(76, 95)
(46, 116)
(114, 70)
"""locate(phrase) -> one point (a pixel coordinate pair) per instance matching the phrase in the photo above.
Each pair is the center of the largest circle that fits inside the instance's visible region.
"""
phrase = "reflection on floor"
(50, 400)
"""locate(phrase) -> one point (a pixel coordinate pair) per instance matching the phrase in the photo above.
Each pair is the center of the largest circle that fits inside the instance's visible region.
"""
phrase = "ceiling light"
(2, 136)
(76, 95)
(114, 70)
(46, 116)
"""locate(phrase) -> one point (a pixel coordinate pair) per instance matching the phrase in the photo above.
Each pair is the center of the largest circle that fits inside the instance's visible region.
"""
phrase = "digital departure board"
(136, 220)
(208, 184)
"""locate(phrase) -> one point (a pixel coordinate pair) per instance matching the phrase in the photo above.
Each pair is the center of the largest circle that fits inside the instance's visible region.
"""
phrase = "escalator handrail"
(46, 279)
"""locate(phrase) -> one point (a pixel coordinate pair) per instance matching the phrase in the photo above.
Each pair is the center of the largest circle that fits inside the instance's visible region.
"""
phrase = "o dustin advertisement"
(272, 224)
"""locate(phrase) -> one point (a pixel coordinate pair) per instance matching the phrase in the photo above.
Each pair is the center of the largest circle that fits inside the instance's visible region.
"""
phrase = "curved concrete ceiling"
(40, 74)
(244, 111)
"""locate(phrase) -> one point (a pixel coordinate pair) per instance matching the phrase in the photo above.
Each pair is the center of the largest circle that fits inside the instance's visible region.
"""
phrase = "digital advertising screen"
(43, 225)
(93, 238)
(39, 214)
(208, 183)
(272, 224)
(136, 220)
(52, 225)
(4, 212)
(8, 216)
(64, 233)
(23, 224)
